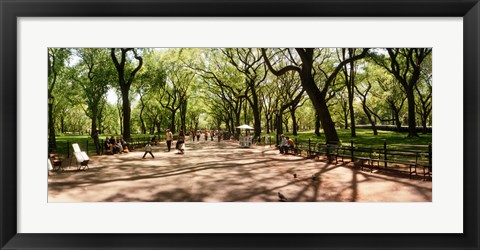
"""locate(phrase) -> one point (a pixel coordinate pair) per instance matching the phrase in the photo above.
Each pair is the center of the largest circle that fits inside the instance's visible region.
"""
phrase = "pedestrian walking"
(180, 142)
(169, 137)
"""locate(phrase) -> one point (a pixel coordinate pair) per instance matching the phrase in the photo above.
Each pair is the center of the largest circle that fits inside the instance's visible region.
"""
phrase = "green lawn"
(365, 138)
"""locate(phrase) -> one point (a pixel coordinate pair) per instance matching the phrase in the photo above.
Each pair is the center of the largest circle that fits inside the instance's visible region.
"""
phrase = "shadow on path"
(222, 171)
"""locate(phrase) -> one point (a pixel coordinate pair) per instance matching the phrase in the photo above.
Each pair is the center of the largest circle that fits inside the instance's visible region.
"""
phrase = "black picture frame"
(10, 10)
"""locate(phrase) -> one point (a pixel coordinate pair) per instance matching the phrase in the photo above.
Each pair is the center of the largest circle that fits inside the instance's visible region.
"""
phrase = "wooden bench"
(344, 152)
(364, 157)
(427, 170)
(138, 143)
(329, 150)
(399, 158)
(296, 150)
(425, 161)
(318, 150)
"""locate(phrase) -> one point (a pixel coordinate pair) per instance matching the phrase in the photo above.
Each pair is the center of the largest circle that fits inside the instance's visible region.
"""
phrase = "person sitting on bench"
(108, 145)
(117, 147)
(289, 144)
(125, 145)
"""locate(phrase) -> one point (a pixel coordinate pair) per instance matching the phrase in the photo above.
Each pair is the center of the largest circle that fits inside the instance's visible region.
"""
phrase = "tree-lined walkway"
(215, 172)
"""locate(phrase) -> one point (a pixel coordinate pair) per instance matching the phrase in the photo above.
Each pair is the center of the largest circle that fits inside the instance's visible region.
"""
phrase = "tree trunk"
(369, 116)
(320, 104)
(232, 126)
(326, 121)
(412, 126)
(99, 122)
(350, 80)
(272, 123)
(345, 115)
(120, 117)
(172, 122)
(237, 123)
(245, 114)
(285, 122)
(256, 121)
(294, 122)
(413, 58)
(125, 86)
(183, 115)
(121, 125)
(94, 134)
(51, 129)
(142, 122)
(151, 129)
(424, 125)
(396, 116)
(267, 123)
(62, 124)
(352, 115)
(157, 124)
(278, 127)
(317, 125)
(126, 115)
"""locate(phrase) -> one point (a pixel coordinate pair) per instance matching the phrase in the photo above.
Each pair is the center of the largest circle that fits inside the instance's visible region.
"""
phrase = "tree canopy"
(147, 90)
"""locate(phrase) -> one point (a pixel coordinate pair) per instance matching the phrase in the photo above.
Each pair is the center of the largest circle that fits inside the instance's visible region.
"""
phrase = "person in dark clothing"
(180, 142)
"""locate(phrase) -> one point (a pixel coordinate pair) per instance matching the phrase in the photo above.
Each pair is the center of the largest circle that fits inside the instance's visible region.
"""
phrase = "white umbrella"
(244, 126)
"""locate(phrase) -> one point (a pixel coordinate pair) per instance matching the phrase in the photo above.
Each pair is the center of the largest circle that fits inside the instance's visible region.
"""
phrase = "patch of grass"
(365, 138)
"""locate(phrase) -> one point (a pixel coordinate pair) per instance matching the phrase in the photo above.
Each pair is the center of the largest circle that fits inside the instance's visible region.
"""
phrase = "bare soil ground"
(211, 171)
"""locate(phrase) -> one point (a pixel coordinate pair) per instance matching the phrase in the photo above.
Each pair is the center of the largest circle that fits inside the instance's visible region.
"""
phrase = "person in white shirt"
(148, 150)
(169, 137)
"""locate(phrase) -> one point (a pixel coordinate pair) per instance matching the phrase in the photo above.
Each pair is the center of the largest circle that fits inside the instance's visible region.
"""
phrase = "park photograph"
(239, 124)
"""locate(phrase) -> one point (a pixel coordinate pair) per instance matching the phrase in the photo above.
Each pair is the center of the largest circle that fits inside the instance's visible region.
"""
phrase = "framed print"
(31, 218)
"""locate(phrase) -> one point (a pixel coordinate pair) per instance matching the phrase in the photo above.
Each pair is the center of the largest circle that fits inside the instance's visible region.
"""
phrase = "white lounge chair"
(80, 156)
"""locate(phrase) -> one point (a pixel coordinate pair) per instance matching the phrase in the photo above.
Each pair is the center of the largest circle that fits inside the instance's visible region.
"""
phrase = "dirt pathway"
(215, 172)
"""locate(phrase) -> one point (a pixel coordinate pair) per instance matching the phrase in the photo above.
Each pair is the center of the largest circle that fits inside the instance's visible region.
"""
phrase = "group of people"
(285, 144)
(119, 146)
(180, 146)
(207, 134)
(116, 146)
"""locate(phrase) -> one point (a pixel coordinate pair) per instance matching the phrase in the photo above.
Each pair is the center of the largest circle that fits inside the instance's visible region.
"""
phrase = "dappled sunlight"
(216, 172)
